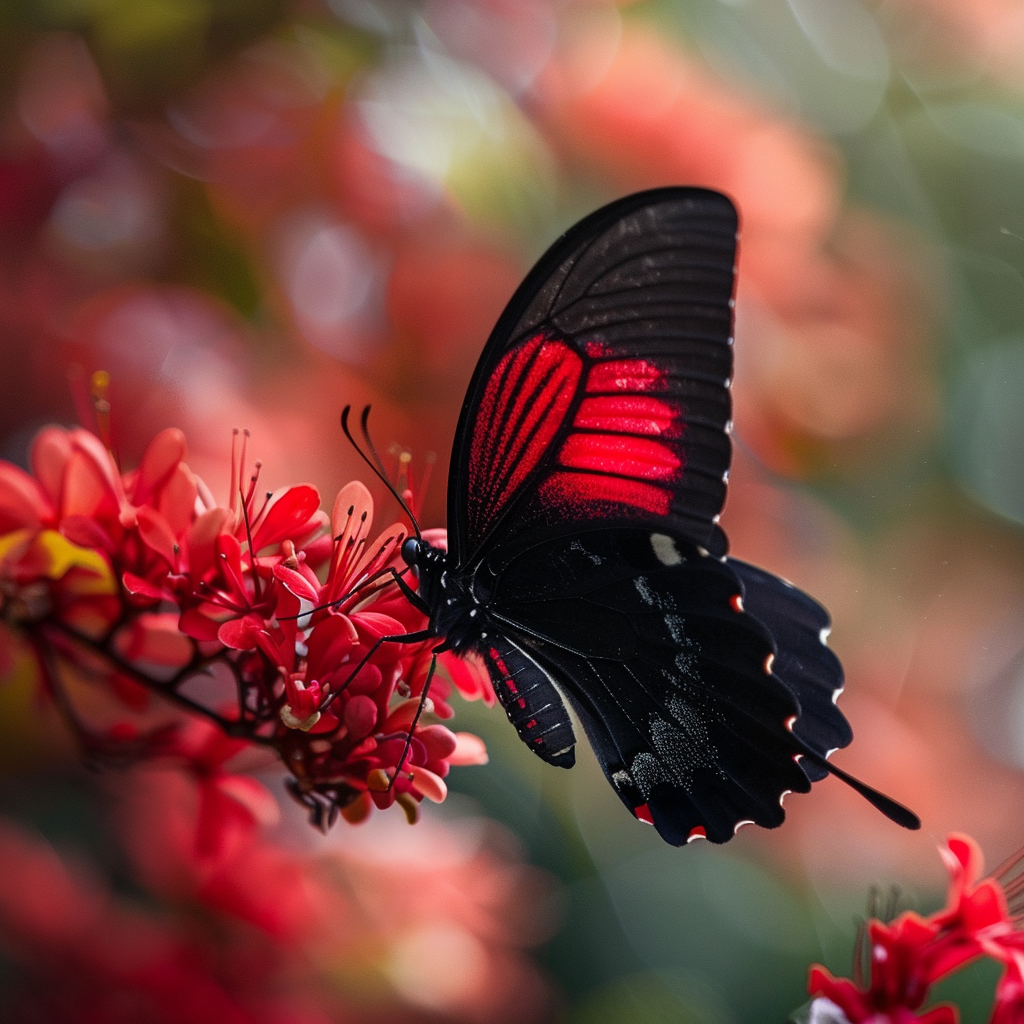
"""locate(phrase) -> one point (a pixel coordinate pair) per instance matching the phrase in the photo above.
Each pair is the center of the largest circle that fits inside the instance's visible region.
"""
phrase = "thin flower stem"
(252, 553)
(167, 688)
(57, 693)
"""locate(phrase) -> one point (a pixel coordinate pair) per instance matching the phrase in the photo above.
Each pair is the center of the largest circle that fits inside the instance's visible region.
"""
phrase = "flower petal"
(427, 784)
(154, 637)
(470, 676)
(177, 501)
(60, 556)
(101, 466)
(378, 554)
(296, 583)
(22, 500)
(241, 634)
(287, 516)
(195, 624)
(469, 749)
(87, 490)
(157, 535)
(352, 513)
(48, 459)
(162, 456)
(138, 587)
(201, 540)
(440, 742)
(360, 716)
(330, 641)
(253, 796)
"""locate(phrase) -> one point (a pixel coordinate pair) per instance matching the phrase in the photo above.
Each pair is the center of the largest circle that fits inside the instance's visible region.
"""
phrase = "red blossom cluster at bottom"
(388, 925)
(910, 954)
(287, 628)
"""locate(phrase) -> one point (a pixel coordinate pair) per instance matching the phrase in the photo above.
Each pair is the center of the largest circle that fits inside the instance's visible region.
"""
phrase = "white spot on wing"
(694, 837)
(740, 824)
(783, 795)
(836, 694)
(665, 549)
(823, 634)
(703, 552)
(768, 664)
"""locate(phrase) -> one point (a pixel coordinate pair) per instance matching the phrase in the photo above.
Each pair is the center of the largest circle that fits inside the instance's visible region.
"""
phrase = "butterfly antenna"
(375, 464)
(364, 421)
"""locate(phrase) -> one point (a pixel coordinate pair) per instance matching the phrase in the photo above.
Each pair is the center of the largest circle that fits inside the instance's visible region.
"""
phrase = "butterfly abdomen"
(532, 702)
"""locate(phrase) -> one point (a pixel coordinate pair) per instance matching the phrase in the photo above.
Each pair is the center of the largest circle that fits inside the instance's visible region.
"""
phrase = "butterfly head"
(412, 550)
(429, 563)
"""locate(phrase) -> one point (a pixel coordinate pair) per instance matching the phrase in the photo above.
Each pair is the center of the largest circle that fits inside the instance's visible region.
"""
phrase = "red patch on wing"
(579, 492)
(643, 813)
(634, 414)
(624, 375)
(619, 453)
(525, 402)
(621, 456)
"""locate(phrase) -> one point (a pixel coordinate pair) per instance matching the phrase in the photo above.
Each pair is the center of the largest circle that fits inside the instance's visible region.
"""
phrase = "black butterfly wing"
(670, 677)
(602, 395)
(799, 627)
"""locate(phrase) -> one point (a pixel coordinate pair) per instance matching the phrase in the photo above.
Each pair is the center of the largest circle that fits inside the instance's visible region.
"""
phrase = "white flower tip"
(294, 722)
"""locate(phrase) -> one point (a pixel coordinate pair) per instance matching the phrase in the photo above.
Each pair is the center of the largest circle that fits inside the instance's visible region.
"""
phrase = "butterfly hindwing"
(602, 394)
(799, 626)
(668, 675)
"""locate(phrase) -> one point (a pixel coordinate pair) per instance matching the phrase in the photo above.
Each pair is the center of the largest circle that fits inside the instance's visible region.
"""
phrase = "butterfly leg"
(415, 719)
(402, 638)
(407, 592)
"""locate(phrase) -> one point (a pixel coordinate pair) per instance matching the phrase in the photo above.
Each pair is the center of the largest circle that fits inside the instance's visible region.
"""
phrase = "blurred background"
(254, 212)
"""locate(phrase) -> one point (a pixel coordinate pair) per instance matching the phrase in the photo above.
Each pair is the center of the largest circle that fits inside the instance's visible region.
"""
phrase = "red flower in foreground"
(912, 953)
(140, 582)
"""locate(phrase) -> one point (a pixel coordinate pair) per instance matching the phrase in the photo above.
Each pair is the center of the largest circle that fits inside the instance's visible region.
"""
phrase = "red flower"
(229, 806)
(367, 751)
(912, 953)
(141, 582)
(1009, 1002)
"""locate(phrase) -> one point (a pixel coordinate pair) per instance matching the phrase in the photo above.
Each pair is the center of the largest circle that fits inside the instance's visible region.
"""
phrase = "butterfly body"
(586, 567)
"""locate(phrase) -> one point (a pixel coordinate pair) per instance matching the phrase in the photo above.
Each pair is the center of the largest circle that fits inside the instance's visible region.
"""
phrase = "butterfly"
(585, 563)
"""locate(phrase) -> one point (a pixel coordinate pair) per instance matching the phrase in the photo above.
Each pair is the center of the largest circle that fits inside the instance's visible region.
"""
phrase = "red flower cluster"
(912, 953)
(390, 925)
(141, 582)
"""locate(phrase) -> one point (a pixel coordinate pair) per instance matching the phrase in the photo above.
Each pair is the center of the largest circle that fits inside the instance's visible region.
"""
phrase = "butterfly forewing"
(602, 395)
